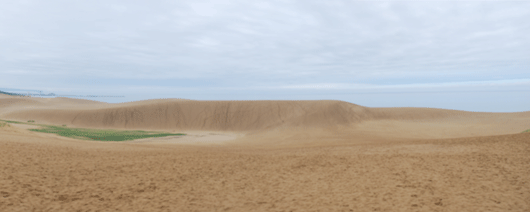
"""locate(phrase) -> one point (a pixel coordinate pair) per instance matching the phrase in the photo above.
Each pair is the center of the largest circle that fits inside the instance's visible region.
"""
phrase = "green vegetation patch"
(528, 130)
(102, 135)
(92, 134)
(13, 122)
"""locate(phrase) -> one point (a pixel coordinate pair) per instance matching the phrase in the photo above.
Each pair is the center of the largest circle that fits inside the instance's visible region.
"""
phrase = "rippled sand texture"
(264, 156)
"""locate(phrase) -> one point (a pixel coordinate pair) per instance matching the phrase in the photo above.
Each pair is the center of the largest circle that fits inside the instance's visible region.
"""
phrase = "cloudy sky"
(466, 55)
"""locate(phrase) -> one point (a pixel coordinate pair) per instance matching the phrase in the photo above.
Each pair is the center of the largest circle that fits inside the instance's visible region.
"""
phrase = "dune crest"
(206, 115)
(263, 156)
(307, 118)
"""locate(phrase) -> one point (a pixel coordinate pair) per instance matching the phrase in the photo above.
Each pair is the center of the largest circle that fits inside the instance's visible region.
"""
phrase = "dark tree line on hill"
(12, 94)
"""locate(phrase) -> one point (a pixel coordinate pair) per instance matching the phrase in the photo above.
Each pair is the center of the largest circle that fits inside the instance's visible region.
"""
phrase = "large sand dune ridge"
(251, 116)
(206, 115)
(284, 156)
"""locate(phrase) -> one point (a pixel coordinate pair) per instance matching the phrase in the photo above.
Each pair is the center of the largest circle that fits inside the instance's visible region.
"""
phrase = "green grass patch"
(102, 135)
(528, 130)
(13, 122)
(94, 134)
(4, 125)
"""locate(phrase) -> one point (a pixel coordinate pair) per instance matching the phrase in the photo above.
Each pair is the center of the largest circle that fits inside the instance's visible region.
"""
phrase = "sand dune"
(264, 116)
(2, 96)
(206, 115)
(264, 156)
(472, 174)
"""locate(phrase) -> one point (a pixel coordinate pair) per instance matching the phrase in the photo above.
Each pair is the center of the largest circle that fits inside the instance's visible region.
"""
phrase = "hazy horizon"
(472, 55)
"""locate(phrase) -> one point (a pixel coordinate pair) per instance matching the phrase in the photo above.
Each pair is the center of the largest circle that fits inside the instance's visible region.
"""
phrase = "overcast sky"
(466, 55)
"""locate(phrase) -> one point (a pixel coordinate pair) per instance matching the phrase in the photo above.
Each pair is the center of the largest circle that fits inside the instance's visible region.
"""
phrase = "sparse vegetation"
(13, 122)
(528, 130)
(4, 124)
(95, 134)
(102, 135)
(31, 121)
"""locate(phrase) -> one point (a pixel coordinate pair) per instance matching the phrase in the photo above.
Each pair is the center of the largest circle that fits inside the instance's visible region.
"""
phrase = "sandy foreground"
(264, 156)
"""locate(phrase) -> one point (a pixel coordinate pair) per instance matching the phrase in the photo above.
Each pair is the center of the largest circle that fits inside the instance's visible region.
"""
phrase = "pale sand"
(264, 156)
(193, 138)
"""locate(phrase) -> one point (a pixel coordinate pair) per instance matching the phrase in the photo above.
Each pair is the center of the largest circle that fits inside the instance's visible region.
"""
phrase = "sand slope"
(471, 174)
(206, 115)
(337, 117)
(284, 156)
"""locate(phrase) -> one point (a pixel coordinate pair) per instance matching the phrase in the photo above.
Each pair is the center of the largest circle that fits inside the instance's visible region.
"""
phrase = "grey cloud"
(279, 43)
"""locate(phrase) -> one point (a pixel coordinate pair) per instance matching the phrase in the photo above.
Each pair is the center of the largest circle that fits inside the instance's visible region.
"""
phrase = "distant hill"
(11, 94)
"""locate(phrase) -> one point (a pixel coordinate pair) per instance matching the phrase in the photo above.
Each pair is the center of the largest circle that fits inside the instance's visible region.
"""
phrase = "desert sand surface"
(263, 156)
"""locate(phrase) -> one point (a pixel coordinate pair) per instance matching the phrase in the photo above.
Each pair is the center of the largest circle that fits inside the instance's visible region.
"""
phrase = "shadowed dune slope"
(206, 115)
(178, 114)
(293, 156)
